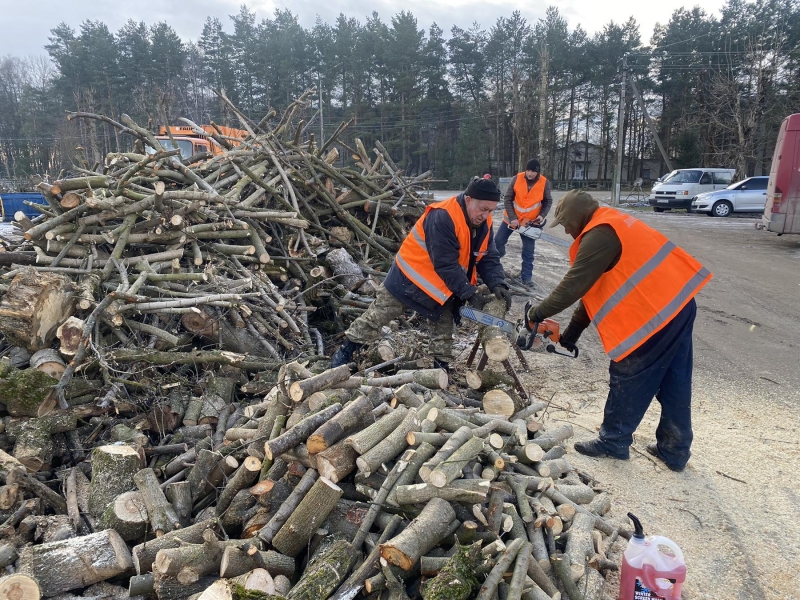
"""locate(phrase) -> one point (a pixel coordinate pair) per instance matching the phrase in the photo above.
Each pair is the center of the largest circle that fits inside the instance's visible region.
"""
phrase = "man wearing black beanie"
(527, 201)
(435, 272)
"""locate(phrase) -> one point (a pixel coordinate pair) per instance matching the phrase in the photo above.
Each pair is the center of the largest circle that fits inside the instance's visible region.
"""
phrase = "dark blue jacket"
(443, 247)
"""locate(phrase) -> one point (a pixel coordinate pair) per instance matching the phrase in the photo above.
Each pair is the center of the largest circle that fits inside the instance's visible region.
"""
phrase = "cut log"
(35, 446)
(49, 362)
(69, 334)
(127, 515)
(495, 344)
(239, 560)
(487, 380)
(162, 515)
(471, 491)
(279, 519)
(367, 438)
(113, 468)
(390, 447)
(344, 268)
(179, 495)
(300, 390)
(244, 476)
(34, 306)
(354, 415)
(337, 462)
(190, 562)
(578, 493)
(325, 572)
(304, 521)
(455, 441)
(300, 432)
(499, 402)
(77, 562)
(451, 467)
(553, 437)
(422, 534)
(19, 587)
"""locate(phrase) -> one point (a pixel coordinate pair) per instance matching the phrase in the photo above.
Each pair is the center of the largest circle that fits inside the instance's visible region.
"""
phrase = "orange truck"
(189, 142)
(782, 212)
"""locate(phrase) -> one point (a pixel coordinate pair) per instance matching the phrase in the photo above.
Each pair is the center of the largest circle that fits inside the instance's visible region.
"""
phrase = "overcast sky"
(26, 24)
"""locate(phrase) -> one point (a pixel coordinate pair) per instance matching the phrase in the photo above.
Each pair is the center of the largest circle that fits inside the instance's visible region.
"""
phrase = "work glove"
(457, 304)
(479, 299)
(570, 336)
(532, 316)
(502, 292)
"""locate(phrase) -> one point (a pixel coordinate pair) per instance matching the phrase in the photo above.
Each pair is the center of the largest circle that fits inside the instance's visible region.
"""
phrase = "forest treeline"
(460, 102)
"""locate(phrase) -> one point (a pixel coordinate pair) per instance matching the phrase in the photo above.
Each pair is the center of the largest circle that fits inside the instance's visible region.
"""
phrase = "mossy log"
(457, 579)
(306, 518)
(76, 562)
(113, 468)
(23, 390)
(422, 534)
(354, 415)
(238, 560)
(127, 515)
(34, 306)
(325, 572)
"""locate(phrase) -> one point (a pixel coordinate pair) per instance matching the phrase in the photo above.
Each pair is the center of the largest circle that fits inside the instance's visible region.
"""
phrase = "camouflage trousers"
(385, 308)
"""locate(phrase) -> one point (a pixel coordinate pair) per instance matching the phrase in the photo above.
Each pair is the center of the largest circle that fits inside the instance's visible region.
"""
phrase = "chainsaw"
(547, 331)
(534, 232)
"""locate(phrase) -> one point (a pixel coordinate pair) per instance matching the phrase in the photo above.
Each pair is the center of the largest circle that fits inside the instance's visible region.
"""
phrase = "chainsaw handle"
(551, 348)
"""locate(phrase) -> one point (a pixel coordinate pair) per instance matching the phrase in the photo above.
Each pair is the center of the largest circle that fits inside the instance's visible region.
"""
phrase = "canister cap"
(638, 531)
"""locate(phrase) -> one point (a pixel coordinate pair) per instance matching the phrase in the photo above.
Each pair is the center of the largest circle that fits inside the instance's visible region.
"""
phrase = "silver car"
(749, 195)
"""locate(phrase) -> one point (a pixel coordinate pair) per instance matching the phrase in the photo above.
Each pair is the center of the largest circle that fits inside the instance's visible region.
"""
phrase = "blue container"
(11, 203)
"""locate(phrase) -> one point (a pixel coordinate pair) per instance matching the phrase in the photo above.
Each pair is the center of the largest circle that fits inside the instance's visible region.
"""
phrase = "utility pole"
(615, 195)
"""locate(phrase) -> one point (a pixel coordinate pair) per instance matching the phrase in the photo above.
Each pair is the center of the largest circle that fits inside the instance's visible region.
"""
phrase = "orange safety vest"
(415, 261)
(527, 202)
(653, 280)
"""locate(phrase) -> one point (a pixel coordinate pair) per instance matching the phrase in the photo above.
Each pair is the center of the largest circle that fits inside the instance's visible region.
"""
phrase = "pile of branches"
(331, 486)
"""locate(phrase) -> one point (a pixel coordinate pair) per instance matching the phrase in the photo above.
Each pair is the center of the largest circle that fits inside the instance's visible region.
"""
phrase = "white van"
(680, 187)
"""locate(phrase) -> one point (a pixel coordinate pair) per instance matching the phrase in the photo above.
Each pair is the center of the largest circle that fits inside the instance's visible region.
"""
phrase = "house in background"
(584, 161)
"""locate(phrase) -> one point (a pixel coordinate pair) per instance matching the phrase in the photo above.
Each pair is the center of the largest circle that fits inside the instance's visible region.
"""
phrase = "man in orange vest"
(435, 272)
(638, 289)
(527, 202)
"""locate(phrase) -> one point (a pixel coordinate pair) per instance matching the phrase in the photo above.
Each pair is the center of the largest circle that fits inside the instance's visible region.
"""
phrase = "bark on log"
(49, 362)
(355, 414)
(179, 495)
(77, 562)
(190, 562)
(578, 493)
(461, 436)
(127, 515)
(457, 578)
(337, 462)
(366, 439)
(144, 554)
(34, 306)
(300, 432)
(244, 476)
(421, 535)
(553, 437)
(471, 491)
(267, 533)
(219, 331)
(162, 515)
(487, 380)
(309, 514)
(300, 390)
(23, 390)
(390, 447)
(238, 560)
(451, 467)
(113, 468)
(325, 572)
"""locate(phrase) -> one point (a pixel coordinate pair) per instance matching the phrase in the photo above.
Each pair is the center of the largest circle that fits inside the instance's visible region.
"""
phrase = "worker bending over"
(638, 289)
(527, 201)
(435, 272)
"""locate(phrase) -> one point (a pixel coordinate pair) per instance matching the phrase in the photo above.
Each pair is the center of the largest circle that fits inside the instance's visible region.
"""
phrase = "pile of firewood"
(331, 486)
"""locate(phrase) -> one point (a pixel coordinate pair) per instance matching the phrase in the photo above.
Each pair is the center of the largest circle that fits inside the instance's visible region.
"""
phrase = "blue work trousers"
(660, 368)
(528, 246)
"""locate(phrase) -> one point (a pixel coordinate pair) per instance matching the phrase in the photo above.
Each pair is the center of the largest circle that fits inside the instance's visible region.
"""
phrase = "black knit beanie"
(533, 165)
(483, 189)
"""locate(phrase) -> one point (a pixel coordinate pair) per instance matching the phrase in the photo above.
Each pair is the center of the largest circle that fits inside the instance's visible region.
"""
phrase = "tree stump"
(34, 306)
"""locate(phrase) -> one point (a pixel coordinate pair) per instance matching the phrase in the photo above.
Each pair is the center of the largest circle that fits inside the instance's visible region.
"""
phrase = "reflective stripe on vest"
(652, 281)
(527, 202)
(415, 262)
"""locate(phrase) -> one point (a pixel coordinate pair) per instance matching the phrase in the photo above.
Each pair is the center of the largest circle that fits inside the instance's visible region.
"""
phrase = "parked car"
(749, 195)
(680, 187)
